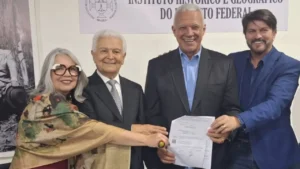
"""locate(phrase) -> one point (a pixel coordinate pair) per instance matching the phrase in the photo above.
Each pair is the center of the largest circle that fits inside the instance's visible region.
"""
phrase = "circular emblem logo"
(101, 10)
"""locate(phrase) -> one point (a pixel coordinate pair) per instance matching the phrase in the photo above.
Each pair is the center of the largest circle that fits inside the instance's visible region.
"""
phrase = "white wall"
(56, 23)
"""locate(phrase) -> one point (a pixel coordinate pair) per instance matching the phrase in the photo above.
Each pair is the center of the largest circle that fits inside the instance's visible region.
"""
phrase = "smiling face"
(109, 56)
(259, 37)
(189, 29)
(64, 83)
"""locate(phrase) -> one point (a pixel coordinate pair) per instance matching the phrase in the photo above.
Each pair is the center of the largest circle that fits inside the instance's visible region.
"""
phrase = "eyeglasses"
(60, 69)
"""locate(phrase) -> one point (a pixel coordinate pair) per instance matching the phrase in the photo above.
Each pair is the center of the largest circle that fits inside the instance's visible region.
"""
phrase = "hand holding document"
(189, 142)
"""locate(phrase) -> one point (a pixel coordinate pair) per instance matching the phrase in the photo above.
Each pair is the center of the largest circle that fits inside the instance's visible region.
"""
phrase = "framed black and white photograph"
(17, 77)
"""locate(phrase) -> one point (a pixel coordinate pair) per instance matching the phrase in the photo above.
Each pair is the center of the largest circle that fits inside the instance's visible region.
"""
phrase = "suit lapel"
(178, 78)
(126, 94)
(266, 70)
(203, 74)
(240, 64)
(102, 92)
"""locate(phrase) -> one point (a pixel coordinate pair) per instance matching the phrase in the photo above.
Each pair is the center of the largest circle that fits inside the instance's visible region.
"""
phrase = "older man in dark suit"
(190, 80)
(113, 99)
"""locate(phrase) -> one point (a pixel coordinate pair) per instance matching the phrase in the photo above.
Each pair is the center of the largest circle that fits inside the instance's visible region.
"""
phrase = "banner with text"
(156, 16)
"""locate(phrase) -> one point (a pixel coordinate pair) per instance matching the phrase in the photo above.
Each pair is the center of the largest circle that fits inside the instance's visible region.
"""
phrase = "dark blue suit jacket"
(272, 138)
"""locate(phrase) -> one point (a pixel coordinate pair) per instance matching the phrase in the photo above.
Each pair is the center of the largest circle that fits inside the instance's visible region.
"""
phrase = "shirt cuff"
(241, 121)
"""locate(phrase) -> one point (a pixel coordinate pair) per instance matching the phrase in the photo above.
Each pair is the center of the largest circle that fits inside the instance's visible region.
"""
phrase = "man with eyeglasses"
(111, 98)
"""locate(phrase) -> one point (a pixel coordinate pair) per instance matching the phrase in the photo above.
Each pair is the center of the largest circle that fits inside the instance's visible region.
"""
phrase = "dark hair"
(260, 15)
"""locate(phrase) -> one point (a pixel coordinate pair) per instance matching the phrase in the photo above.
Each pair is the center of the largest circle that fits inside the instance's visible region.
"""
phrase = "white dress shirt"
(118, 84)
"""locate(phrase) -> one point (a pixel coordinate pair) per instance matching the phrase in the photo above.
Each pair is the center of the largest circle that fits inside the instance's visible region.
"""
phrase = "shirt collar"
(106, 79)
(183, 55)
(266, 58)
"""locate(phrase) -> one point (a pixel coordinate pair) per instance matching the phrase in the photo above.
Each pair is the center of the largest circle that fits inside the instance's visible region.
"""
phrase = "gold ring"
(161, 144)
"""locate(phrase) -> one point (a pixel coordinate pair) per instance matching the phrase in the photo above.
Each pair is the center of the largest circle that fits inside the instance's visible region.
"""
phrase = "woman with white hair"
(52, 133)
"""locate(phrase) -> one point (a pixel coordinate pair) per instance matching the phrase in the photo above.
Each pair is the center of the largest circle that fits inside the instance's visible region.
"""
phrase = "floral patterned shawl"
(51, 129)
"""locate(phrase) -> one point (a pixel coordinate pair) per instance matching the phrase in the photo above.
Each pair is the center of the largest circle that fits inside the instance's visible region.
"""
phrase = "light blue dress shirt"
(190, 72)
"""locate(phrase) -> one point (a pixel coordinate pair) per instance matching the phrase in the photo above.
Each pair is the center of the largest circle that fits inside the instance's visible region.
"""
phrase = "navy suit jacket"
(272, 138)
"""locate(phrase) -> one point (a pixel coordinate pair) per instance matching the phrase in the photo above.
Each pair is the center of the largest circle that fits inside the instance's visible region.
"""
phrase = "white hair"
(108, 33)
(45, 84)
(188, 7)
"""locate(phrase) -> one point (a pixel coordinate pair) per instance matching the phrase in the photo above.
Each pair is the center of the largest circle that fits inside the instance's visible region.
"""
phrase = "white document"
(189, 141)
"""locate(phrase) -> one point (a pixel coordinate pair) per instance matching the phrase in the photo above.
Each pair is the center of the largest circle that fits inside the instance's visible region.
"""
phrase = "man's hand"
(217, 137)
(225, 124)
(165, 156)
(148, 129)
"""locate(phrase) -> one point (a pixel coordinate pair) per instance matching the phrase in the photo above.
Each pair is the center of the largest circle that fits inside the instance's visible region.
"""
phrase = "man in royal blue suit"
(268, 80)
